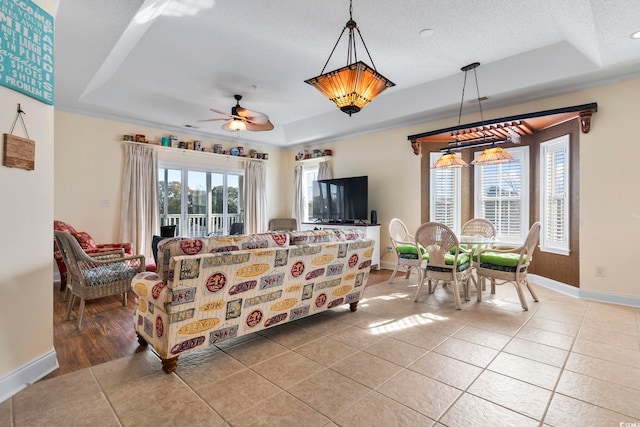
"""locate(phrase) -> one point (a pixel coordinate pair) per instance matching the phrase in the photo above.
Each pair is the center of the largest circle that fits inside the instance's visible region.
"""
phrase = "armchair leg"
(80, 313)
(72, 300)
(124, 299)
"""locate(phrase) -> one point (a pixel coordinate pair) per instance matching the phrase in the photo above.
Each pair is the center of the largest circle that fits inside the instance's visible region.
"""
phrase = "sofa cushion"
(178, 246)
(314, 236)
(85, 240)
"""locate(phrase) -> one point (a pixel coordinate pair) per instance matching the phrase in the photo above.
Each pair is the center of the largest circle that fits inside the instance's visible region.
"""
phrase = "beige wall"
(26, 197)
(609, 165)
(89, 164)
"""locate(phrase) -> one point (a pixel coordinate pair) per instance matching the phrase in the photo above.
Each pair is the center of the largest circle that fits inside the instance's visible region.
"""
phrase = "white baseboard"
(627, 300)
(563, 288)
(15, 381)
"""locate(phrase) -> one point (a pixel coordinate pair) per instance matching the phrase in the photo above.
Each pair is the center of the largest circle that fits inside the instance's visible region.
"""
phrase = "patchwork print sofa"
(209, 290)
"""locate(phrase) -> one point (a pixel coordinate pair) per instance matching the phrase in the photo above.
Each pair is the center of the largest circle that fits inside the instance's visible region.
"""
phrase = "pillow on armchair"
(85, 240)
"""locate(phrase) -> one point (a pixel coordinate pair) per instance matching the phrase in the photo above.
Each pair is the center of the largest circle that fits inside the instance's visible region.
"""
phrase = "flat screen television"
(341, 200)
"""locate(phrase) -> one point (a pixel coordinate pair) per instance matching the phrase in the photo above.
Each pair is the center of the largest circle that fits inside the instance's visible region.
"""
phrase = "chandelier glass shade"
(492, 156)
(351, 87)
(356, 84)
(450, 160)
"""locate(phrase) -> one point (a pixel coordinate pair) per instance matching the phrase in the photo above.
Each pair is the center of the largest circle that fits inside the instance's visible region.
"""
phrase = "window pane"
(554, 183)
(197, 203)
(217, 203)
(308, 177)
(445, 195)
(234, 208)
(202, 204)
(501, 196)
(169, 197)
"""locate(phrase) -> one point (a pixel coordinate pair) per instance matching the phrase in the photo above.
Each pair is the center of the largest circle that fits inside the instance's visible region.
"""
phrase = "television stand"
(372, 231)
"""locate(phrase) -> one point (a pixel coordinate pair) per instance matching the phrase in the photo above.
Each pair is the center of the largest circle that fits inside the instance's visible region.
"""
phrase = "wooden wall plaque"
(19, 152)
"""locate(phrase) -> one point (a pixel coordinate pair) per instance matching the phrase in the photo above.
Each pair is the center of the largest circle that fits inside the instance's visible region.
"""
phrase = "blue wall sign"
(26, 49)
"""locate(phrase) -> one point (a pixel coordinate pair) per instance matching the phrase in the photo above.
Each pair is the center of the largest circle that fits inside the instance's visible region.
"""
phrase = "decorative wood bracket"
(416, 147)
(585, 121)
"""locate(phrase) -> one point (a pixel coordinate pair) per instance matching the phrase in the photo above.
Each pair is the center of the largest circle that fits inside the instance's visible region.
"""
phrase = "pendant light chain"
(464, 85)
(484, 132)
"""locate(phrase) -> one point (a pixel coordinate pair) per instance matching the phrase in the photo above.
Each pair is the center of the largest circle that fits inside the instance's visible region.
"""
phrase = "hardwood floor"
(107, 330)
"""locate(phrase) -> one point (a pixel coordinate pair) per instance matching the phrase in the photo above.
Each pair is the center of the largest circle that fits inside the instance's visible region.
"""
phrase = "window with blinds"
(445, 195)
(502, 195)
(554, 195)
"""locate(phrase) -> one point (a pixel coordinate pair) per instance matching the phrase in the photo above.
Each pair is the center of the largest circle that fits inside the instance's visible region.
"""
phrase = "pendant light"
(356, 84)
(491, 155)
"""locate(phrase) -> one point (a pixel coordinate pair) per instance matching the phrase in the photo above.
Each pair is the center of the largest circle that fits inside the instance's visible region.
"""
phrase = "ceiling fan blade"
(255, 116)
(258, 127)
(213, 120)
(220, 112)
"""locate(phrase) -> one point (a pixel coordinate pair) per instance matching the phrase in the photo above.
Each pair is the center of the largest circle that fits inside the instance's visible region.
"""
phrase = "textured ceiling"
(164, 63)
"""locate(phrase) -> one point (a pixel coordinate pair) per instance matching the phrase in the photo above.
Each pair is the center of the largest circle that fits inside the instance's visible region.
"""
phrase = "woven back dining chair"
(478, 227)
(502, 266)
(96, 275)
(446, 261)
(405, 248)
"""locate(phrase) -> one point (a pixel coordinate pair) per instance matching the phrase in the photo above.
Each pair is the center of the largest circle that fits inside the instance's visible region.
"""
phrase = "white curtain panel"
(324, 170)
(139, 214)
(297, 211)
(255, 216)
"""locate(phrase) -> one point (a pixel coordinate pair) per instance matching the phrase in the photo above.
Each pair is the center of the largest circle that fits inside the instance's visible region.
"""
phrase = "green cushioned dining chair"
(502, 266)
(405, 248)
(444, 265)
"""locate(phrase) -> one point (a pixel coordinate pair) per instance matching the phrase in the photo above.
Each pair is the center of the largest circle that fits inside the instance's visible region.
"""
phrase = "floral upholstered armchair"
(87, 243)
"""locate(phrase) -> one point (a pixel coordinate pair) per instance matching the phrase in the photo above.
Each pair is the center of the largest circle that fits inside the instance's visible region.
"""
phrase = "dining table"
(476, 243)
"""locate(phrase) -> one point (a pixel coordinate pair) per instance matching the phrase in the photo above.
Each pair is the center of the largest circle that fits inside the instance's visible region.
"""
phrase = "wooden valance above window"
(499, 129)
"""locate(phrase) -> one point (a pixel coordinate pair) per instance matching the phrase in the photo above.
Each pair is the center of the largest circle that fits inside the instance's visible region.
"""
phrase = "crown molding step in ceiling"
(166, 64)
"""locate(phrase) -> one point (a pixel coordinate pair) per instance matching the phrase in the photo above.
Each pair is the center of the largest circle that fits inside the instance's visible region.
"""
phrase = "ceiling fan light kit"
(490, 156)
(242, 119)
(356, 84)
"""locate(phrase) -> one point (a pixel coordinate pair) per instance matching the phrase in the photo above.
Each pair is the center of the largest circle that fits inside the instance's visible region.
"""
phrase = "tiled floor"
(394, 362)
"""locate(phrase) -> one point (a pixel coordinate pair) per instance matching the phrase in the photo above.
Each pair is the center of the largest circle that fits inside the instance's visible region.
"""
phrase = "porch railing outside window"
(200, 202)
(199, 225)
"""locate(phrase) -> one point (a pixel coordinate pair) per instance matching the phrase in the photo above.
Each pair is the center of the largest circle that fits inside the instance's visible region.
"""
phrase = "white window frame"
(521, 153)
(547, 242)
(184, 169)
(433, 188)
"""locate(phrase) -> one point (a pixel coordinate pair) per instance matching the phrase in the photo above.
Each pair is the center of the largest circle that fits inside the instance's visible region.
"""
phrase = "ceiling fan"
(242, 119)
